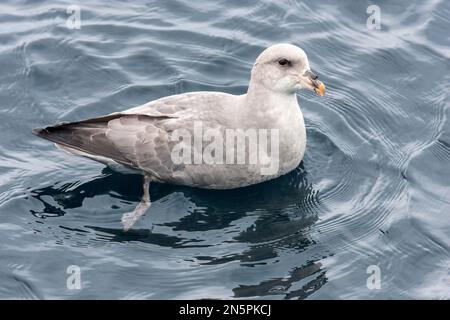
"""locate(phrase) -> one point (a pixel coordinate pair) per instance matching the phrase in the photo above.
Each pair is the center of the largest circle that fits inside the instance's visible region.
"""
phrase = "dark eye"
(284, 62)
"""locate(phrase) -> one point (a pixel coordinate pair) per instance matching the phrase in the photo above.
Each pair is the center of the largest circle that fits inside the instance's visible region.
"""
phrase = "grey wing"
(140, 137)
(136, 141)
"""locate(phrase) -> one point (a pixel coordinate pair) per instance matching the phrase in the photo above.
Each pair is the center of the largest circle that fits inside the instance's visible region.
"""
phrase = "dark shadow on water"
(291, 193)
(126, 186)
(281, 212)
(281, 286)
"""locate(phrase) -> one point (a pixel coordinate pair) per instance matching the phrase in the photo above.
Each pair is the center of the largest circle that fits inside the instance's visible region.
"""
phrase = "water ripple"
(372, 190)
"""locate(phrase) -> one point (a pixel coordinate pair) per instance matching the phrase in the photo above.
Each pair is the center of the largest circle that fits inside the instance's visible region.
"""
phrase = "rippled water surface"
(373, 189)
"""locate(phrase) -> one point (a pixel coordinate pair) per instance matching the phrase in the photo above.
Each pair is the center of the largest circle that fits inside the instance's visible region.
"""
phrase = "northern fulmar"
(211, 140)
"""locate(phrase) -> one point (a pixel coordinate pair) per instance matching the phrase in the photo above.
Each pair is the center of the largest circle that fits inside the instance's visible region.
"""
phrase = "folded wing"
(133, 140)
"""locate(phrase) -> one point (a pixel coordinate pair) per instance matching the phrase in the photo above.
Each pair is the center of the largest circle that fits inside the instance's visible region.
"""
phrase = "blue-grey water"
(369, 203)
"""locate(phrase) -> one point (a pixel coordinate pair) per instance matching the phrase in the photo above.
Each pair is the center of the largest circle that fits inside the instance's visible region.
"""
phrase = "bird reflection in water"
(281, 212)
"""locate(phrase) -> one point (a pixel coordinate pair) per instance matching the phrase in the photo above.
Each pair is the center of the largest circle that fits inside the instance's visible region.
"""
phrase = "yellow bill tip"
(320, 89)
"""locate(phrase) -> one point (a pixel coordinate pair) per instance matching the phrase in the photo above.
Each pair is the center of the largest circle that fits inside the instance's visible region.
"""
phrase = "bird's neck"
(263, 98)
(271, 107)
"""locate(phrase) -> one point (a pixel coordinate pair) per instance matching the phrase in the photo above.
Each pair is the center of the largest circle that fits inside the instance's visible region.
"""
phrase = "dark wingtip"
(39, 131)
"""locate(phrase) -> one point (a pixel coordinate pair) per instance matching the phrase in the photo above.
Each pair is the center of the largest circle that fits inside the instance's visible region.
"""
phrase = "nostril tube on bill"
(311, 75)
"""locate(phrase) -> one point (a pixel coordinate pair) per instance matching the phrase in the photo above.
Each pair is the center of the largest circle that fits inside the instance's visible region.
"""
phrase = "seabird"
(162, 138)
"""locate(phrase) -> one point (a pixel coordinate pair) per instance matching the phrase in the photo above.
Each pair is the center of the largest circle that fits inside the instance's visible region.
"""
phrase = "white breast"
(292, 139)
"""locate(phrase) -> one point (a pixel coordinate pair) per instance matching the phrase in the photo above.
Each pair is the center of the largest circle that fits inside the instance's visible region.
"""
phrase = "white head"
(284, 68)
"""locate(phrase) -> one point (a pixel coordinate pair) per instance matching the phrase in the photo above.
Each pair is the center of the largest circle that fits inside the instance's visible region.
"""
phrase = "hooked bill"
(319, 88)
